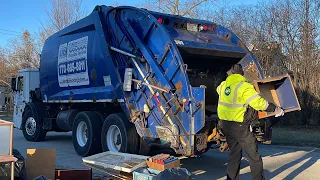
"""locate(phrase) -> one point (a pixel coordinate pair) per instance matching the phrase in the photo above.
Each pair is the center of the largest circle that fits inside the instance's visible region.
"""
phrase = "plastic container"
(143, 176)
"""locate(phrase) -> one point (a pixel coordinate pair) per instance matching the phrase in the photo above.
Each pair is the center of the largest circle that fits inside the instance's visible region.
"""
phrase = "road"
(280, 162)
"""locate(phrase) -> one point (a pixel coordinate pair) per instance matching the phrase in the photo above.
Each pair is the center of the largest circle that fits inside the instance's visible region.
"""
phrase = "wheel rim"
(82, 133)
(114, 138)
(31, 126)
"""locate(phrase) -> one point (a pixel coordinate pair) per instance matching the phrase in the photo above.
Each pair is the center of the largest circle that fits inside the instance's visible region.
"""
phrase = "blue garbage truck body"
(132, 80)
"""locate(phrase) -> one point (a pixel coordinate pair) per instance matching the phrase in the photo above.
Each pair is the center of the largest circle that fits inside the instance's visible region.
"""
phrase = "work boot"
(259, 139)
(268, 142)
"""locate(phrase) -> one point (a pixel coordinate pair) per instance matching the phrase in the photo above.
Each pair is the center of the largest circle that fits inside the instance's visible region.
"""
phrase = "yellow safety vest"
(235, 94)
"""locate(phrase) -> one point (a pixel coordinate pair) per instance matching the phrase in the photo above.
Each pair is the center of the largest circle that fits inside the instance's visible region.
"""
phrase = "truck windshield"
(20, 83)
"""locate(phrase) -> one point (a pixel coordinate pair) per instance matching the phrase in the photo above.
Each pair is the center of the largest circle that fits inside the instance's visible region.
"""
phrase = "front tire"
(86, 133)
(119, 135)
(32, 128)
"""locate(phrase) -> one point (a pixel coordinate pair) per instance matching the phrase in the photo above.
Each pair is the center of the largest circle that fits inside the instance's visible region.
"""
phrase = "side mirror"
(127, 82)
(13, 84)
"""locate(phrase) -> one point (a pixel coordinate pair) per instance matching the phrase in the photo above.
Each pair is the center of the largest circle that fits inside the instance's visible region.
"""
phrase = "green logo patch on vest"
(227, 91)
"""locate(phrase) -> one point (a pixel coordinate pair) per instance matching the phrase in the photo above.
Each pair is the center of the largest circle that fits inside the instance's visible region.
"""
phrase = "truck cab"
(27, 80)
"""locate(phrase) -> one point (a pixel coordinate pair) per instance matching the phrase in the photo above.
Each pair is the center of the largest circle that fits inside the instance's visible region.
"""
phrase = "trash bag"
(175, 174)
(20, 172)
(5, 170)
(41, 178)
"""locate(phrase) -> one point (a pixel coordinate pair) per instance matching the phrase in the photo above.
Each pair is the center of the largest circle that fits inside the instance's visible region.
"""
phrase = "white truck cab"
(26, 81)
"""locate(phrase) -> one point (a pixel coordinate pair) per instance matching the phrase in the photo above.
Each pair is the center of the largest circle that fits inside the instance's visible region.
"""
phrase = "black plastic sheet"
(20, 172)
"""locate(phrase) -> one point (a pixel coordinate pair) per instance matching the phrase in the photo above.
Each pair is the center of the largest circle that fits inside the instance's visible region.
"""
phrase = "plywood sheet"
(41, 162)
(117, 161)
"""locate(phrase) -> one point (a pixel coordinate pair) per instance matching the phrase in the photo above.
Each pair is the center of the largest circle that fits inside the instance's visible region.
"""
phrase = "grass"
(300, 136)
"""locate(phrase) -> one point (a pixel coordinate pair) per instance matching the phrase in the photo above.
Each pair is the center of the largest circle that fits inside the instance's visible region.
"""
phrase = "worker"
(238, 102)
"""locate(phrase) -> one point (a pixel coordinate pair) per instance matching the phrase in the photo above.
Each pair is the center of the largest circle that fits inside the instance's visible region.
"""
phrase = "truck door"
(19, 101)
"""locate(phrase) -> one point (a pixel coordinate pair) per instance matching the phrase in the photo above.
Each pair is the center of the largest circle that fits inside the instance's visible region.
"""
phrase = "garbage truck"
(130, 80)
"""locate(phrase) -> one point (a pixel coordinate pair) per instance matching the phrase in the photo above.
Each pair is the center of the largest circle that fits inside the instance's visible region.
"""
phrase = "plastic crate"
(141, 176)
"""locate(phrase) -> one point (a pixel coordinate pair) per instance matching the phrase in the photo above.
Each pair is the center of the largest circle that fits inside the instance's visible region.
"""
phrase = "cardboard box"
(41, 162)
(162, 167)
(279, 91)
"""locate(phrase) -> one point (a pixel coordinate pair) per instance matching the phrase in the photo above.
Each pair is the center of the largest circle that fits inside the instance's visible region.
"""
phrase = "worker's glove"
(279, 112)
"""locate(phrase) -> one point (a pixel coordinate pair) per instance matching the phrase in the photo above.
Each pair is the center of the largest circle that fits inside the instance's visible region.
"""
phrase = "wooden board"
(41, 162)
(8, 158)
(113, 175)
(5, 123)
(117, 161)
(73, 174)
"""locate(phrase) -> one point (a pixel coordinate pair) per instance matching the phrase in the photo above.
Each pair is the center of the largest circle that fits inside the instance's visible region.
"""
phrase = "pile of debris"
(137, 167)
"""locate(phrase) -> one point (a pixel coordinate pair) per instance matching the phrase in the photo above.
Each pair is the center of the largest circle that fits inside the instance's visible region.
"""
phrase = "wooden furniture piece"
(117, 165)
(280, 91)
(6, 131)
(117, 161)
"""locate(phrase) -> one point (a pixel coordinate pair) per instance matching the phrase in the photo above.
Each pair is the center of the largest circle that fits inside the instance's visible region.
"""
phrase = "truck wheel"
(86, 132)
(32, 128)
(119, 135)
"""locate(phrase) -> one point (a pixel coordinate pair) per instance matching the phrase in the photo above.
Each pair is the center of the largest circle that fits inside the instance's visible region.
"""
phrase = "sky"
(19, 15)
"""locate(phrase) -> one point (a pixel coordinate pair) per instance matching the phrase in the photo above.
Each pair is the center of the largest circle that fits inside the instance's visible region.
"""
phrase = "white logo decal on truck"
(72, 63)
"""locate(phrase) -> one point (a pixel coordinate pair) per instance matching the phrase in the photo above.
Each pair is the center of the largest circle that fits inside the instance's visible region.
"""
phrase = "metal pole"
(155, 87)
(122, 52)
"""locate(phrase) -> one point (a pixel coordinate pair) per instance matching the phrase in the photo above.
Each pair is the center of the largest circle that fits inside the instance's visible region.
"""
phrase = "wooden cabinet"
(280, 91)
(6, 131)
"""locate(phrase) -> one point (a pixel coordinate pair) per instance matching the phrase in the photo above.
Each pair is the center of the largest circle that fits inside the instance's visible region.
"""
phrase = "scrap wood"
(117, 161)
(8, 158)
(121, 175)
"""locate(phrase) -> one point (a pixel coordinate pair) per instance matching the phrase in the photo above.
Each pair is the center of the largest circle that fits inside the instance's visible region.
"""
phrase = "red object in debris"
(185, 101)
(69, 174)
(157, 100)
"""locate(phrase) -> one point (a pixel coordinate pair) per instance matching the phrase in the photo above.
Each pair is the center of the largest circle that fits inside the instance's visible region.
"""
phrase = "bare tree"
(285, 34)
(61, 14)
(188, 8)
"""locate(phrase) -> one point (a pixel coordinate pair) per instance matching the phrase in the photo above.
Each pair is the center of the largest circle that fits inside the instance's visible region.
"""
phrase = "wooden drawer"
(280, 91)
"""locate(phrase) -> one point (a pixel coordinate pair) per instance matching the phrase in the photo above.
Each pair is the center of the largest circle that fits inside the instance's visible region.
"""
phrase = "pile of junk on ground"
(40, 165)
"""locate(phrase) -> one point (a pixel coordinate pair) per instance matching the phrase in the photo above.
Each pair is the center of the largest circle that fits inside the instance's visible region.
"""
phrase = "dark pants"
(269, 122)
(239, 138)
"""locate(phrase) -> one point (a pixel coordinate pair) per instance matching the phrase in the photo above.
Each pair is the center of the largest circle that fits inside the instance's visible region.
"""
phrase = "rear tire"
(32, 128)
(119, 135)
(86, 132)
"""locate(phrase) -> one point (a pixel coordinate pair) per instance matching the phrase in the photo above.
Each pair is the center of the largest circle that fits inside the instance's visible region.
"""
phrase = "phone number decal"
(72, 67)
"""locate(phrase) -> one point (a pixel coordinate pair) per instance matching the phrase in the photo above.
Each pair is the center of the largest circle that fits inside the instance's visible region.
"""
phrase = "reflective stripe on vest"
(250, 99)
